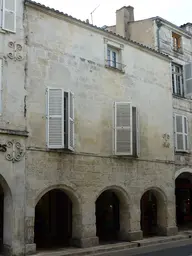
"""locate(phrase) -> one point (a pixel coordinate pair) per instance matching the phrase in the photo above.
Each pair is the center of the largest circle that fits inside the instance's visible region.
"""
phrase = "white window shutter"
(123, 129)
(1, 81)
(181, 133)
(9, 15)
(138, 133)
(55, 118)
(188, 79)
(70, 121)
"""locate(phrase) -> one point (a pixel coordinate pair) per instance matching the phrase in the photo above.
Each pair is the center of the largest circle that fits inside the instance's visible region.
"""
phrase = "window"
(8, 15)
(60, 119)
(188, 79)
(114, 58)
(126, 129)
(177, 80)
(176, 42)
(1, 75)
(181, 133)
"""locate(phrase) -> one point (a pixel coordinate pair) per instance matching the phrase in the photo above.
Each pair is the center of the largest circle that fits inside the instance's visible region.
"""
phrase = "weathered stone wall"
(142, 31)
(72, 57)
(12, 123)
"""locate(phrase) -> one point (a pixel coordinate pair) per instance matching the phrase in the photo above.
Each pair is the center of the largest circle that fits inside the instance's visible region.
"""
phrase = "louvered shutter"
(181, 133)
(123, 129)
(70, 121)
(188, 79)
(55, 118)
(1, 74)
(137, 133)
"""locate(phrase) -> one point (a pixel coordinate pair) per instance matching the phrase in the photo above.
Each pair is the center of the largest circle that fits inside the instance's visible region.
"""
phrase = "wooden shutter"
(181, 133)
(9, 15)
(1, 81)
(70, 121)
(55, 118)
(188, 79)
(123, 129)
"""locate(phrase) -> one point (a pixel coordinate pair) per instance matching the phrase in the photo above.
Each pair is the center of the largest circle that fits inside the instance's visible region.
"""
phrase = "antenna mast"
(93, 12)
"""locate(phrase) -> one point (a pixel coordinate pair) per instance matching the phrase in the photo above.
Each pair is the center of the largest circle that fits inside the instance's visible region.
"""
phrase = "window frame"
(175, 75)
(65, 117)
(176, 42)
(183, 133)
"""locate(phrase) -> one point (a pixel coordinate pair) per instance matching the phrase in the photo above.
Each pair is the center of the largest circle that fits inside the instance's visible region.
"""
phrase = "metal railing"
(114, 64)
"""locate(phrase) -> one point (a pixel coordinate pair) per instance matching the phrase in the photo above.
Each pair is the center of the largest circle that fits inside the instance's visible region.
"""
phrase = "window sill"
(179, 96)
(182, 152)
(115, 69)
(180, 51)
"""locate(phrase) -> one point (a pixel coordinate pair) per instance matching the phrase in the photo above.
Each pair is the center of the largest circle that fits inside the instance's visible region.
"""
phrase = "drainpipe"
(159, 24)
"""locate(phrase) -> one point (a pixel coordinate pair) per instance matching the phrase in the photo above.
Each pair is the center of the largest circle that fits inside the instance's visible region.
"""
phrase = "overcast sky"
(176, 11)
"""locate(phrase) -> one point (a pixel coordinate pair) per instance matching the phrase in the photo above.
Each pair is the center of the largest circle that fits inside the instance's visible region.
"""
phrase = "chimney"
(187, 27)
(123, 17)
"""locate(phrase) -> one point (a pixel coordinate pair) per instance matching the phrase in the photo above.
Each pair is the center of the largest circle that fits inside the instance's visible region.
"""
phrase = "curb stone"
(117, 246)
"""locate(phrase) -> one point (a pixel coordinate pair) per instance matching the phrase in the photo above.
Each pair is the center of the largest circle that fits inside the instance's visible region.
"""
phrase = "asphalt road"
(177, 248)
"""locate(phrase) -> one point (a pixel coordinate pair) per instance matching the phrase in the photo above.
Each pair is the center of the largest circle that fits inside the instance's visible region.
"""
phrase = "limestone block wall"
(72, 56)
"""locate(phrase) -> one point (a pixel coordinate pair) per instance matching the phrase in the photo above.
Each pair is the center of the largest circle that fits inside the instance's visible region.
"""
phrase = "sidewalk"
(184, 235)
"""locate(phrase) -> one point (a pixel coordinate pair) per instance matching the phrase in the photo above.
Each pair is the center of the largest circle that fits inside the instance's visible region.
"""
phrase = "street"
(176, 248)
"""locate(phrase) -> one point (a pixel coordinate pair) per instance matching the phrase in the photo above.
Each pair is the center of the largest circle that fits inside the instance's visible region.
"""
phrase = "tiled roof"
(188, 23)
(98, 28)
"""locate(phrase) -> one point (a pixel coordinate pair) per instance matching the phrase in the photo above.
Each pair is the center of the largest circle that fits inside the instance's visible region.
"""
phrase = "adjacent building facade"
(87, 135)
(175, 41)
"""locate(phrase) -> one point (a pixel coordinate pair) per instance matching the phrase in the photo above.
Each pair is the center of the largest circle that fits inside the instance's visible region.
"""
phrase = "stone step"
(113, 247)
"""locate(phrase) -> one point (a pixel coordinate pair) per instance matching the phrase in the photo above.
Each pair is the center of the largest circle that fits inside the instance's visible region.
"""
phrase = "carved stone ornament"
(16, 51)
(166, 138)
(15, 152)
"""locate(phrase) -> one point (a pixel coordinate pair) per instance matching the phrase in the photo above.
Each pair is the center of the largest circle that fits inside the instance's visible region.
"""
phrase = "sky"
(176, 11)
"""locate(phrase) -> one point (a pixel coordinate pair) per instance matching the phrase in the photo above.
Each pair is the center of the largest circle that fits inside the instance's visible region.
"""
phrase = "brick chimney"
(123, 17)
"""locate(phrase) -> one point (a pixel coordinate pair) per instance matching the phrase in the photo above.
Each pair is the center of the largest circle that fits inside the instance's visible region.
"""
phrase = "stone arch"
(183, 197)
(123, 209)
(156, 209)
(183, 170)
(75, 200)
(7, 214)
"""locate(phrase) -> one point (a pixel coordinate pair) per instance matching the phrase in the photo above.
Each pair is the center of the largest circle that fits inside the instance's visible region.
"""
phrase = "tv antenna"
(93, 12)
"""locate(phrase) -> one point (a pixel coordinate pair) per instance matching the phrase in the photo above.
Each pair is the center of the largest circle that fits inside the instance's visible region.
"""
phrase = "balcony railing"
(114, 65)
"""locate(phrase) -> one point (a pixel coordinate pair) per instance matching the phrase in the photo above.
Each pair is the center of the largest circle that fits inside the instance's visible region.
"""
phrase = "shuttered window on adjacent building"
(188, 79)
(126, 129)
(60, 119)
(181, 133)
(8, 15)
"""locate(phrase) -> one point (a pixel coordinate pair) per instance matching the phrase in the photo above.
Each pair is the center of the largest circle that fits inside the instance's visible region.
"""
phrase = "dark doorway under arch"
(148, 208)
(53, 220)
(107, 217)
(183, 194)
(1, 218)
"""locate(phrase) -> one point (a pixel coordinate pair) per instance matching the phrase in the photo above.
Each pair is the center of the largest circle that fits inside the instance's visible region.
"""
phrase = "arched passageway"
(107, 216)
(153, 213)
(149, 214)
(183, 193)
(53, 220)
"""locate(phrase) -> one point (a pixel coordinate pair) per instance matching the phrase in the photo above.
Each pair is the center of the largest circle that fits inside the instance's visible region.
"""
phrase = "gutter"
(159, 24)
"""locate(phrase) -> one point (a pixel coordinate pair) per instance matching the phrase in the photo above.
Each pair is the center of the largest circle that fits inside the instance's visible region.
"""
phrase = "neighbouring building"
(176, 42)
(87, 136)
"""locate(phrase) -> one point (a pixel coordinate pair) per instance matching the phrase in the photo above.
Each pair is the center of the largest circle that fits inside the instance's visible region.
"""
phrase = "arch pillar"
(84, 227)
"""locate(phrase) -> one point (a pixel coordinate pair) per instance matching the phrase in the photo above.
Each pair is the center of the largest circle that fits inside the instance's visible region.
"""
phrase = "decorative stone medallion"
(15, 152)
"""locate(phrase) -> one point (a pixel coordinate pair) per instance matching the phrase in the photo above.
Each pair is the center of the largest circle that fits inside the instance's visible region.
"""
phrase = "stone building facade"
(87, 132)
(75, 59)
(176, 42)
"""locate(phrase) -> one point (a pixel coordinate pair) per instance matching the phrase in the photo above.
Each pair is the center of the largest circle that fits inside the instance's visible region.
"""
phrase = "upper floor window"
(126, 129)
(176, 42)
(113, 57)
(8, 15)
(60, 119)
(181, 133)
(177, 80)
